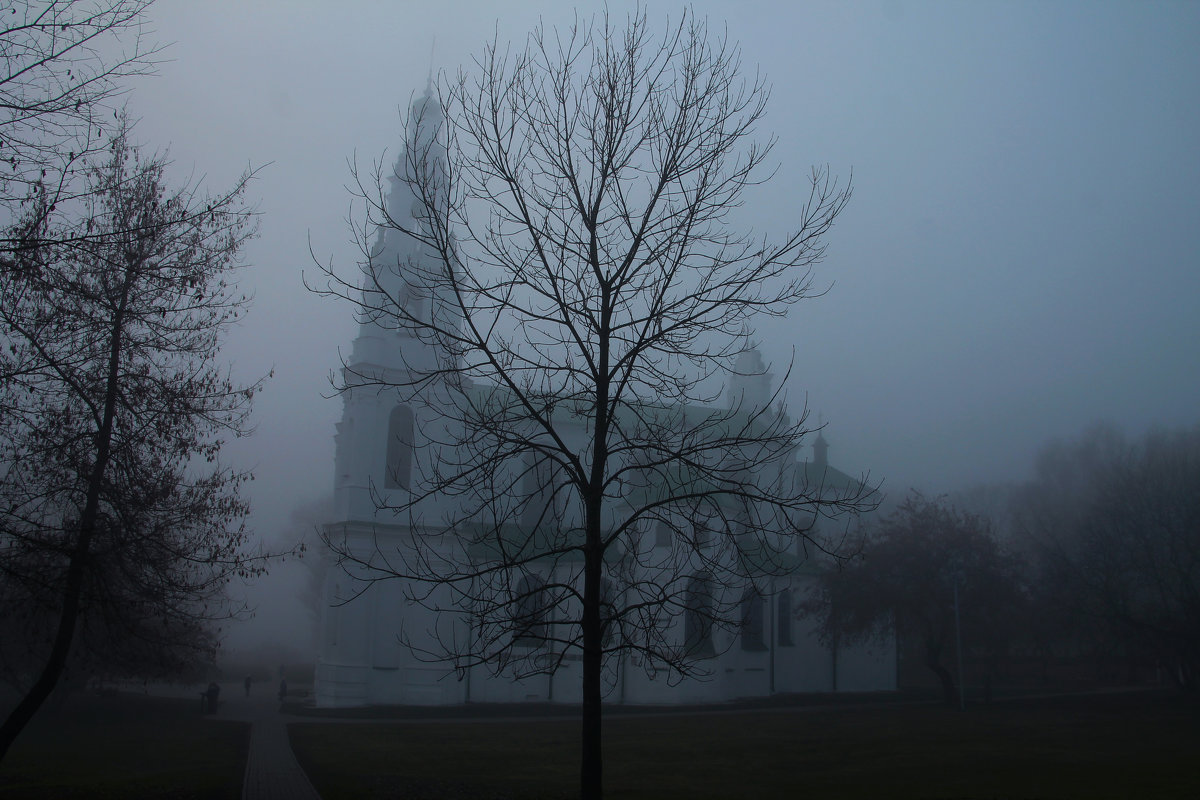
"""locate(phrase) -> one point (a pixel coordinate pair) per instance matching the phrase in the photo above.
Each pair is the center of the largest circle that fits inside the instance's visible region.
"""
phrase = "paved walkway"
(272, 772)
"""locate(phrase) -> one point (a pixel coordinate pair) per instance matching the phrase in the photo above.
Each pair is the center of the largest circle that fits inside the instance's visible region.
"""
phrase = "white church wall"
(386, 599)
(747, 677)
(806, 665)
(643, 687)
(814, 660)
(372, 645)
(431, 685)
(340, 686)
(487, 687)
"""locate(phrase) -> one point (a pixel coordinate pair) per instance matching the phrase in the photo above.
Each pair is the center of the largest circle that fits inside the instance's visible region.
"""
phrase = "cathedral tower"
(377, 436)
(383, 430)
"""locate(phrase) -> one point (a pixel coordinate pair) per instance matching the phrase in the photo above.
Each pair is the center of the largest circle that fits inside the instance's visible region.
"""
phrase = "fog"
(1019, 258)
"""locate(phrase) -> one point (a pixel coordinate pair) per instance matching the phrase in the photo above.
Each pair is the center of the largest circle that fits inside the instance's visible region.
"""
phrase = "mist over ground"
(1019, 259)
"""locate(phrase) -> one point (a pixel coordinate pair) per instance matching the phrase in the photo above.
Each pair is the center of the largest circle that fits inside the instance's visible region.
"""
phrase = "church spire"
(429, 78)
(395, 277)
(820, 452)
(749, 386)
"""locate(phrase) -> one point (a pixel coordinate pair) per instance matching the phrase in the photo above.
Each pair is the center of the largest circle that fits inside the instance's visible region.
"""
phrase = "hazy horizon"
(1019, 259)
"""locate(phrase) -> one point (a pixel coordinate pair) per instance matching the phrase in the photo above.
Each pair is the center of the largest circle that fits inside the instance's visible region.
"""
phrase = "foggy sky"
(1020, 257)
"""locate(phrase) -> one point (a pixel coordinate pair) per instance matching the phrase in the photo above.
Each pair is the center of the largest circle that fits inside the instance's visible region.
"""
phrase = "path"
(272, 772)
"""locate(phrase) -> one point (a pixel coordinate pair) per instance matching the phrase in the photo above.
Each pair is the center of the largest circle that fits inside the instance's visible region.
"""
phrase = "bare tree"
(119, 526)
(65, 62)
(555, 259)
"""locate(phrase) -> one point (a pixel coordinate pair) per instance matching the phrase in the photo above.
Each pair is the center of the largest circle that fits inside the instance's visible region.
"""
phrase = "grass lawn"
(1119, 746)
(126, 746)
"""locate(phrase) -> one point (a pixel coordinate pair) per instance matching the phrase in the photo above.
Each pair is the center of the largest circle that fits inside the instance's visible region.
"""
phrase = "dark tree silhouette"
(574, 297)
(1114, 526)
(904, 581)
(119, 526)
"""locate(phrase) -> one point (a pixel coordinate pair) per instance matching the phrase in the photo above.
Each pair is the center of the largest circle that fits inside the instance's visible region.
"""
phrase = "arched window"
(784, 634)
(697, 617)
(530, 612)
(398, 471)
(753, 607)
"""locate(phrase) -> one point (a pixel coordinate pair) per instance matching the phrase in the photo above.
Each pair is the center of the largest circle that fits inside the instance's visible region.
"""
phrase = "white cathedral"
(375, 640)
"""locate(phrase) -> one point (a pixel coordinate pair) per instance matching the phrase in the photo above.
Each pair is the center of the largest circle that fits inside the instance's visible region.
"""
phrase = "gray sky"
(1020, 257)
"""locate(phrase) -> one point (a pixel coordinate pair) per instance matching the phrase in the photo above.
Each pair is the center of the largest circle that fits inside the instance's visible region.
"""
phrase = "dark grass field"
(1124, 745)
(126, 746)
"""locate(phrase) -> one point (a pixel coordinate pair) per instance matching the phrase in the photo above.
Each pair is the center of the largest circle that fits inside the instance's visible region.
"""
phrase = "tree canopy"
(119, 524)
(912, 566)
(1114, 525)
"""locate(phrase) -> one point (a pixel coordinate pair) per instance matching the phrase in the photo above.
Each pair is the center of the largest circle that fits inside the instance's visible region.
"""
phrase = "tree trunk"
(591, 766)
(946, 679)
(934, 662)
(591, 763)
(73, 588)
(57, 660)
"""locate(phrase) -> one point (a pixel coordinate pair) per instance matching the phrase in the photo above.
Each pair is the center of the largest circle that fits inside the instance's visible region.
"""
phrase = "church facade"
(377, 643)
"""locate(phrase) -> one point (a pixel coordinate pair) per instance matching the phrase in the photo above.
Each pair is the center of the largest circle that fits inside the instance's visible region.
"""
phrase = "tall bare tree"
(64, 64)
(572, 298)
(118, 521)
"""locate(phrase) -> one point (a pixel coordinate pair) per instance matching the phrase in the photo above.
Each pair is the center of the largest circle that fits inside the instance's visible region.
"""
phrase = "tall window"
(530, 612)
(753, 607)
(784, 634)
(398, 471)
(697, 617)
